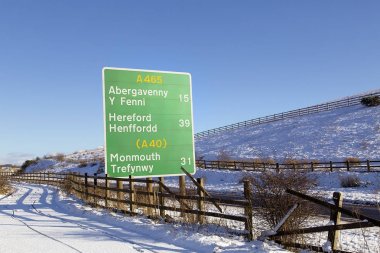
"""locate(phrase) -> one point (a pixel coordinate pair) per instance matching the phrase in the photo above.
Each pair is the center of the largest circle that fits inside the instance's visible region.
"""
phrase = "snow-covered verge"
(38, 218)
(332, 135)
(230, 182)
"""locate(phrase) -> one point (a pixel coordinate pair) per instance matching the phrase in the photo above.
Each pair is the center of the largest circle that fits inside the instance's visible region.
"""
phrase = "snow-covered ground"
(333, 135)
(38, 219)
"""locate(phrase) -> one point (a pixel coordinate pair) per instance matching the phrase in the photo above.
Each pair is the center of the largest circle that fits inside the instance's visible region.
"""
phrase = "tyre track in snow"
(31, 195)
(84, 227)
(35, 230)
(45, 235)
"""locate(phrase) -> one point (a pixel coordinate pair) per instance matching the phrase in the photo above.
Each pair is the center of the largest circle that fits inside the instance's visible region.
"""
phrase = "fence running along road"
(358, 166)
(346, 102)
(152, 198)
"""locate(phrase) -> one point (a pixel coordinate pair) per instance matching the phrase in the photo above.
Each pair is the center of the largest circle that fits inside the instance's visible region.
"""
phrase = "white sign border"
(104, 119)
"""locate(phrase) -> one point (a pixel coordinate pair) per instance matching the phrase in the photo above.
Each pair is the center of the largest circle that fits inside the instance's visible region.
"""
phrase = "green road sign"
(148, 123)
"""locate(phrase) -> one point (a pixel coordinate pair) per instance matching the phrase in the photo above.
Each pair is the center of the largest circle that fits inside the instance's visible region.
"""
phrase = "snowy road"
(34, 220)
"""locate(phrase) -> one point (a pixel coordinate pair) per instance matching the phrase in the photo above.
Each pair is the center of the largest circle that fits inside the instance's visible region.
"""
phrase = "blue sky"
(247, 59)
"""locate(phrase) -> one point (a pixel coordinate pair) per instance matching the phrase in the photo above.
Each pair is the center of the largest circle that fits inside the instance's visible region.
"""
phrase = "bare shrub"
(261, 163)
(188, 217)
(269, 190)
(27, 163)
(224, 157)
(350, 181)
(370, 101)
(199, 156)
(299, 164)
(352, 160)
(82, 164)
(315, 161)
(256, 161)
(5, 186)
(60, 157)
(291, 163)
(269, 161)
(67, 186)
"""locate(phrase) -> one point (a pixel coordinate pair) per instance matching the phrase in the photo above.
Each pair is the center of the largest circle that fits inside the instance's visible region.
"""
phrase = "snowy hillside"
(332, 135)
(92, 154)
(54, 166)
(83, 161)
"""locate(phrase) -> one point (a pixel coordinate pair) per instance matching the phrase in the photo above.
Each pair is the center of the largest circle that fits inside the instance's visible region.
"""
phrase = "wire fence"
(357, 165)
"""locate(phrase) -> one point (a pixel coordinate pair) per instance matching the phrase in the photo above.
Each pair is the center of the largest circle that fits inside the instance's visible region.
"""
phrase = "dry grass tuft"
(5, 186)
(350, 181)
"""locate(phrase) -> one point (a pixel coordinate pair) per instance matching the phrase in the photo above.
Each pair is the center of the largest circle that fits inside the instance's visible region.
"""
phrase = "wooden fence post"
(348, 165)
(277, 168)
(149, 189)
(161, 198)
(94, 188)
(119, 193)
(95, 179)
(182, 191)
(86, 185)
(74, 185)
(334, 235)
(106, 192)
(368, 166)
(201, 194)
(312, 166)
(132, 195)
(248, 209)
(331, 166)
